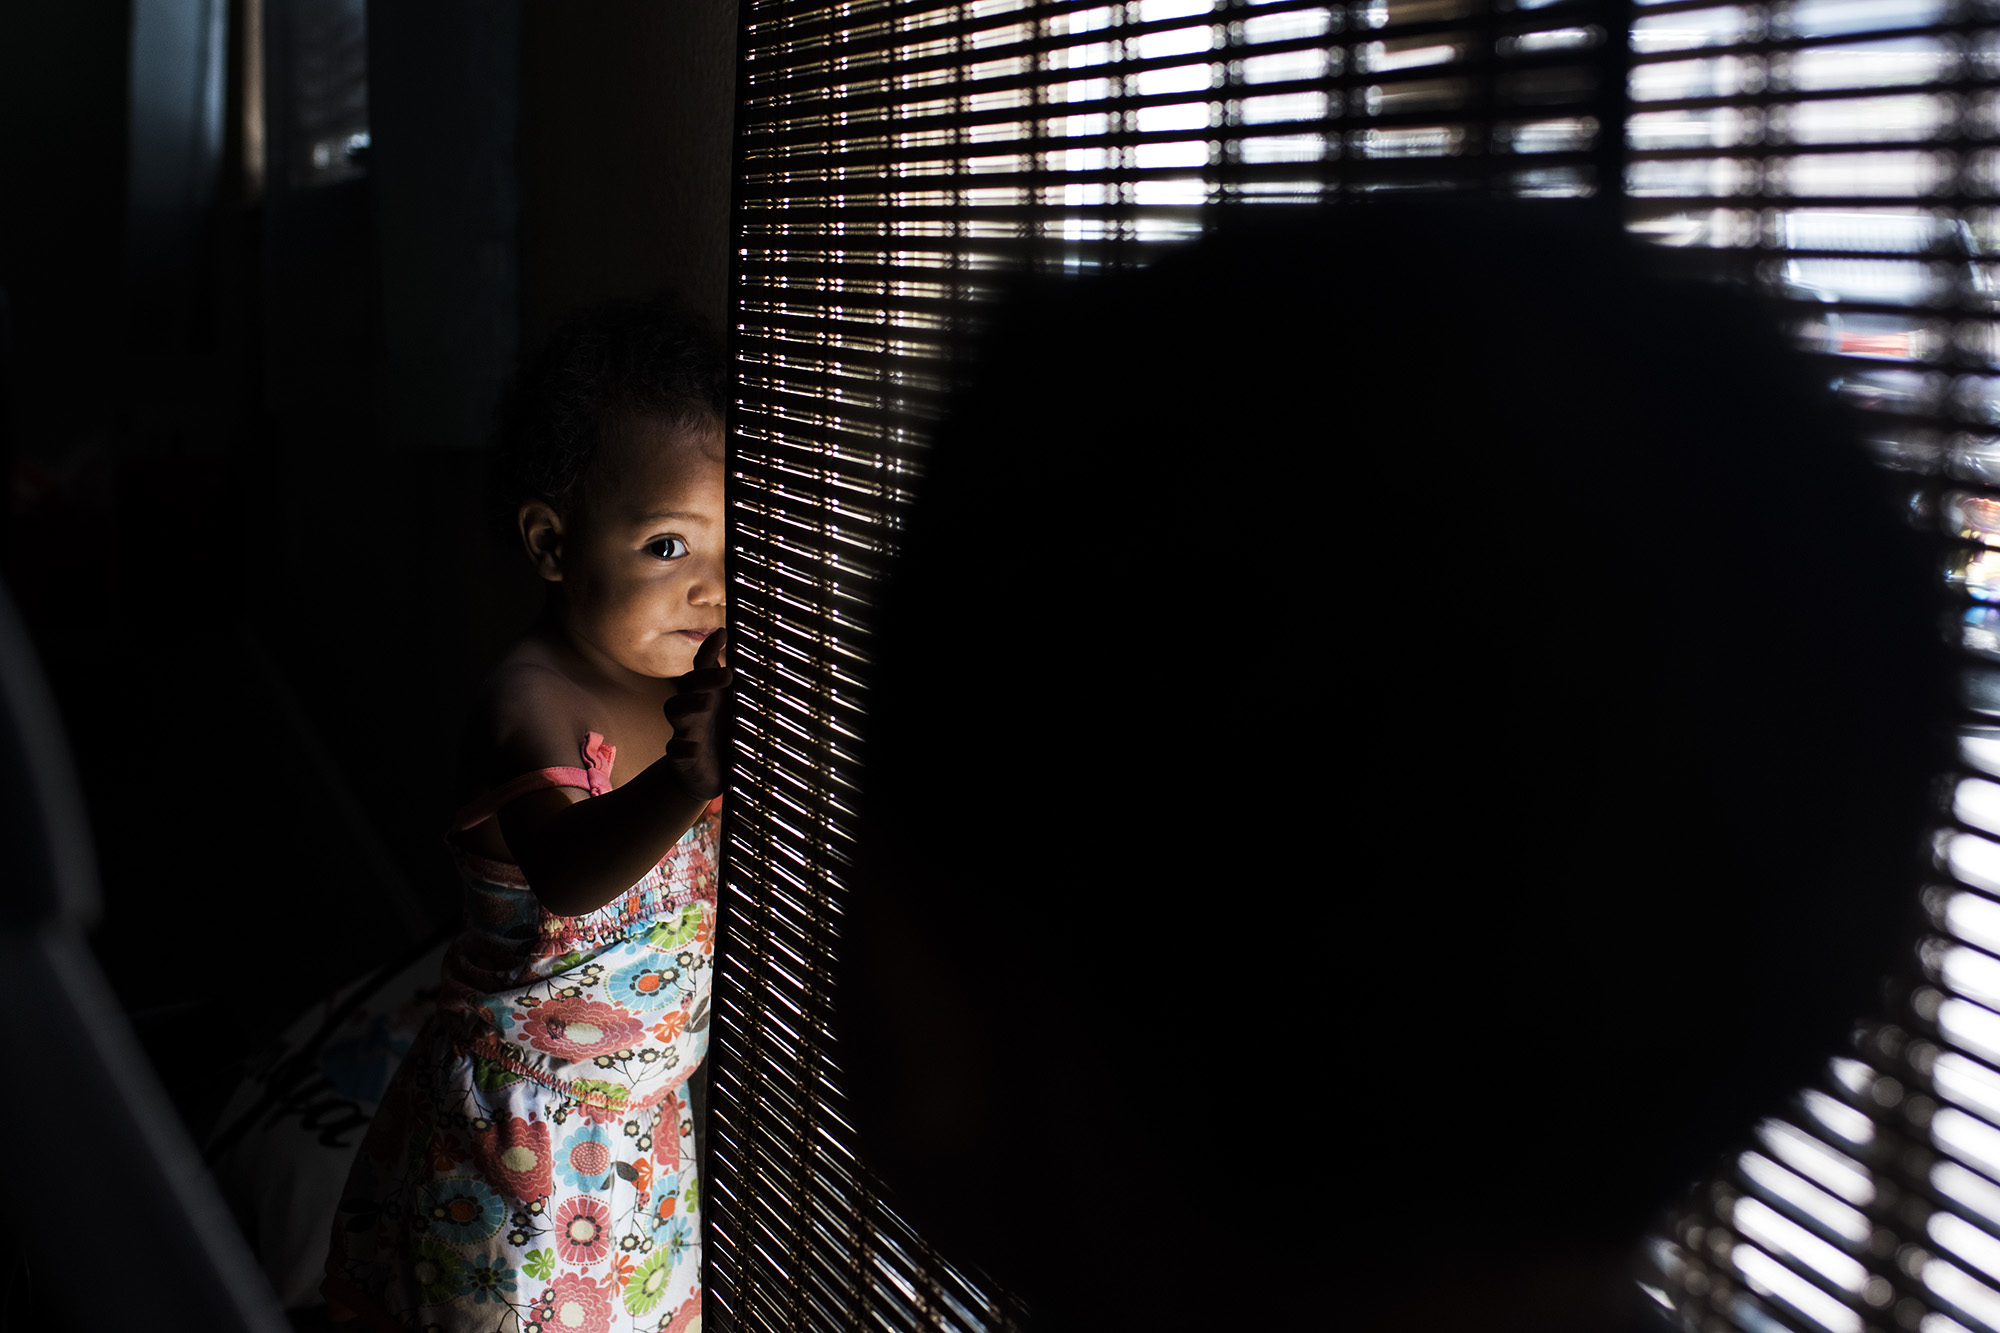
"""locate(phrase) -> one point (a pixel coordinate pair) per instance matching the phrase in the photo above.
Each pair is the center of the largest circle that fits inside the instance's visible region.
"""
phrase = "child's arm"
(578, 854)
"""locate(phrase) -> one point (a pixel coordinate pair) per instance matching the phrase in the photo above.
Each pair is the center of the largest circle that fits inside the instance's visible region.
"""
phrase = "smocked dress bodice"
(610, 1006)
(533, 1159)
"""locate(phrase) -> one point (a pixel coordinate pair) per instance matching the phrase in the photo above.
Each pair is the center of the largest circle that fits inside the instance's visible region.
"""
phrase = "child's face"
(641, 553)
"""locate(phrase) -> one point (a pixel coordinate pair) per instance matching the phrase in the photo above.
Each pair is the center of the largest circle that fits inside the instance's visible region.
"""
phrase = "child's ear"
(541, 533)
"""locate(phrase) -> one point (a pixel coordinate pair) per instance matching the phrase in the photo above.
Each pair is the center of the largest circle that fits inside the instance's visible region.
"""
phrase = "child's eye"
(667, 548)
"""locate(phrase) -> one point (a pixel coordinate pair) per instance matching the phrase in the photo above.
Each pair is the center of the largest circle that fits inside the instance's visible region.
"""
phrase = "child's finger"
(710, 653)
(704, 678)
(689, 702)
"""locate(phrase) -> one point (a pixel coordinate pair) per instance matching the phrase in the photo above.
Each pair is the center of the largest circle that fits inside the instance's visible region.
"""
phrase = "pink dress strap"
(594, 777)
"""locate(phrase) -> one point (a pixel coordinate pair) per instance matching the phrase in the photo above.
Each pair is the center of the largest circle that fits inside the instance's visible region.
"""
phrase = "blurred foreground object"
(1447, 718)
(93, 1127)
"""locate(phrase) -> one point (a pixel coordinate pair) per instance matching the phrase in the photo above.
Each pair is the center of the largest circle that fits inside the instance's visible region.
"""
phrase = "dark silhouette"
(1396, 735)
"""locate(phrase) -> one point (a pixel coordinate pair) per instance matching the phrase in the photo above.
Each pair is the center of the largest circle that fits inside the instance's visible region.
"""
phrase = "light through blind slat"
(895, 160)
(1841, 153)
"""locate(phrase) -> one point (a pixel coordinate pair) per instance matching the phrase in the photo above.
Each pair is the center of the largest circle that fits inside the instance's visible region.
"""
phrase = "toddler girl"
(532, 1163)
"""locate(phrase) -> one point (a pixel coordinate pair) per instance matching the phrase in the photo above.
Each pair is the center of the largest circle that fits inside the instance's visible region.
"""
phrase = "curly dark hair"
(653, 358)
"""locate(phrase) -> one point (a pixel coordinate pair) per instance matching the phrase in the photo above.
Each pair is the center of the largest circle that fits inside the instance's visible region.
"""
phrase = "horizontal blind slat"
(897, 161)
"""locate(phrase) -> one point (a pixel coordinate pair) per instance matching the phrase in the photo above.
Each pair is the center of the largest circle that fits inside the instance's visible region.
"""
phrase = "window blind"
(896, 158)
(1841, 153)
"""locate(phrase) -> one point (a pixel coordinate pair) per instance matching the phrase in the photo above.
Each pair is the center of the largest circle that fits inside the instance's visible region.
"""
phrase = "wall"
(626, 122)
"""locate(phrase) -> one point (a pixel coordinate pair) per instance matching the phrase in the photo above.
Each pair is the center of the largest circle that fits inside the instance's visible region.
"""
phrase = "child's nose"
(708, 587)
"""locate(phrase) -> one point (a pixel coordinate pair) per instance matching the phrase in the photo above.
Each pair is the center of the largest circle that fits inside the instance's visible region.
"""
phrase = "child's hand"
(696, 712)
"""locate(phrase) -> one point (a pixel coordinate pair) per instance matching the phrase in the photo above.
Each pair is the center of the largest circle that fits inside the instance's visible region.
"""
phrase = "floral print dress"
(531, 1167)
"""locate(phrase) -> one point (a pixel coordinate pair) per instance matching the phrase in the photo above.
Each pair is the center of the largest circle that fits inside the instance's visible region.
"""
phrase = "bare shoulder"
(527, 715)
